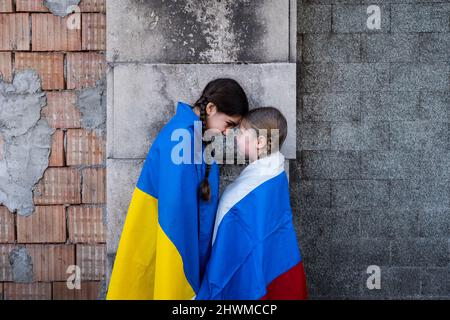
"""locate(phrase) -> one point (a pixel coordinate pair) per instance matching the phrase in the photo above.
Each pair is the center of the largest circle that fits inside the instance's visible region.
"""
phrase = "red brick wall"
(67, 227)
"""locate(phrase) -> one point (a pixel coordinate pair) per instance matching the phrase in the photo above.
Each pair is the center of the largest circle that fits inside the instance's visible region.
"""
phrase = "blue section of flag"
(256, 243)
(186, 219)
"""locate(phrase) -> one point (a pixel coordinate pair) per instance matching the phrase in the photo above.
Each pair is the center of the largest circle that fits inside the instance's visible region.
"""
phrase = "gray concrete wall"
(370, 185)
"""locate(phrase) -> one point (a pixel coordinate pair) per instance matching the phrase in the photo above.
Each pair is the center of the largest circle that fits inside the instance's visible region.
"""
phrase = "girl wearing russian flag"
(166, 238)
(255, 254)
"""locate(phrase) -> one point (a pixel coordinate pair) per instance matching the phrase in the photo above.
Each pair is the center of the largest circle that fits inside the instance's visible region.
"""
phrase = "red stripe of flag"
(291, 285)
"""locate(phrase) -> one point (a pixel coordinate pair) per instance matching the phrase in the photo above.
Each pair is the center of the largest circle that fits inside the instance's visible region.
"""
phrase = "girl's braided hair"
(229, 98)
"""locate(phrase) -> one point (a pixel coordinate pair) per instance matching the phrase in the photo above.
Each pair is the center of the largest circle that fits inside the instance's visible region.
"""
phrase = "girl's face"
(219, 120)
(247, 143)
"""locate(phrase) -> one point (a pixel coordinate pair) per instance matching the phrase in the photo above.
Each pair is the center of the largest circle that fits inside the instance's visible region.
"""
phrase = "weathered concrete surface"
(92, 105)
(198, 31)
(26, 141)
(147, 109)
(60, 7)
(21, 265)
(122, 176)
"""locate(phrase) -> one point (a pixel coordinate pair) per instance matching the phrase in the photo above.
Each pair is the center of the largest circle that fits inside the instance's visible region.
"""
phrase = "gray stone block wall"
(370, 185)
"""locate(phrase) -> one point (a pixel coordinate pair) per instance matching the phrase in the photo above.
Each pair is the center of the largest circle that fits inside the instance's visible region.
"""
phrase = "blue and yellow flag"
(166, 238)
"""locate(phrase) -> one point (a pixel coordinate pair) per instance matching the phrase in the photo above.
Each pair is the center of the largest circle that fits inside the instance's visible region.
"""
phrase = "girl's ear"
(262, 142)
(211, 109)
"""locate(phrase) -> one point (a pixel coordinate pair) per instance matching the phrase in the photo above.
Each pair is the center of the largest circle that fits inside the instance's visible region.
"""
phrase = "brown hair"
(267, 118)
(229, 98)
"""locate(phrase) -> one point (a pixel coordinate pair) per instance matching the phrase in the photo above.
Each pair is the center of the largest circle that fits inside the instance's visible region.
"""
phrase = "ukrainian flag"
(166, 238)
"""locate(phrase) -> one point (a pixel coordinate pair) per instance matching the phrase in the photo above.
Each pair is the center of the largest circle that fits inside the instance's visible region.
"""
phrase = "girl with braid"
(254, 222)
(166, 239)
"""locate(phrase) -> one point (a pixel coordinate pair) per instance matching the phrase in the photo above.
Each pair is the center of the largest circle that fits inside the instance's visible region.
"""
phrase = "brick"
(61, 111)
(397, 47)
(84, 147)
(389, 224)
(50, 261)
(435, 164)
(46, 224)
(57, 154)
(435, 106)
(6, 5)
(413, 77)
(434, 47)
(84, 69)
(6, 66)
(6, 226)
(419, 193)
(94, 185)
(329, 164)
(315, 194)
(336, 282)
(366, 77)
(328, 223)
(360, 194)
(420, 252)
(435, 281)
(90, 290)
(314, 18)
(434, 223)
(393, 164)
(49, 66)
(402, 282)
(15, 31)
(390, 106)
(331, 107)
(314, 135)
(31, 6)
(420, 17)
(50, 33)
(28, 291)
(92, 261)
(353, 18)
(316, 77)
(331, 48)
(359, 252)
(360, 135)
(5, 268)
(93, 31)
(86, 224)
(93, 6)
(58, 186)
(419, 135)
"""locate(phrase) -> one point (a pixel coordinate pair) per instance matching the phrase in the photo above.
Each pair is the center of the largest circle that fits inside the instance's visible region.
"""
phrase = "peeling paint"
(59, 7)
(26, 141)
(216, 28)
(92, 105)
(21, 265)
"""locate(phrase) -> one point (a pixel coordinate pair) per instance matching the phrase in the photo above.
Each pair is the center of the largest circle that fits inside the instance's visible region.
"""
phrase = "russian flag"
(255, 253)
